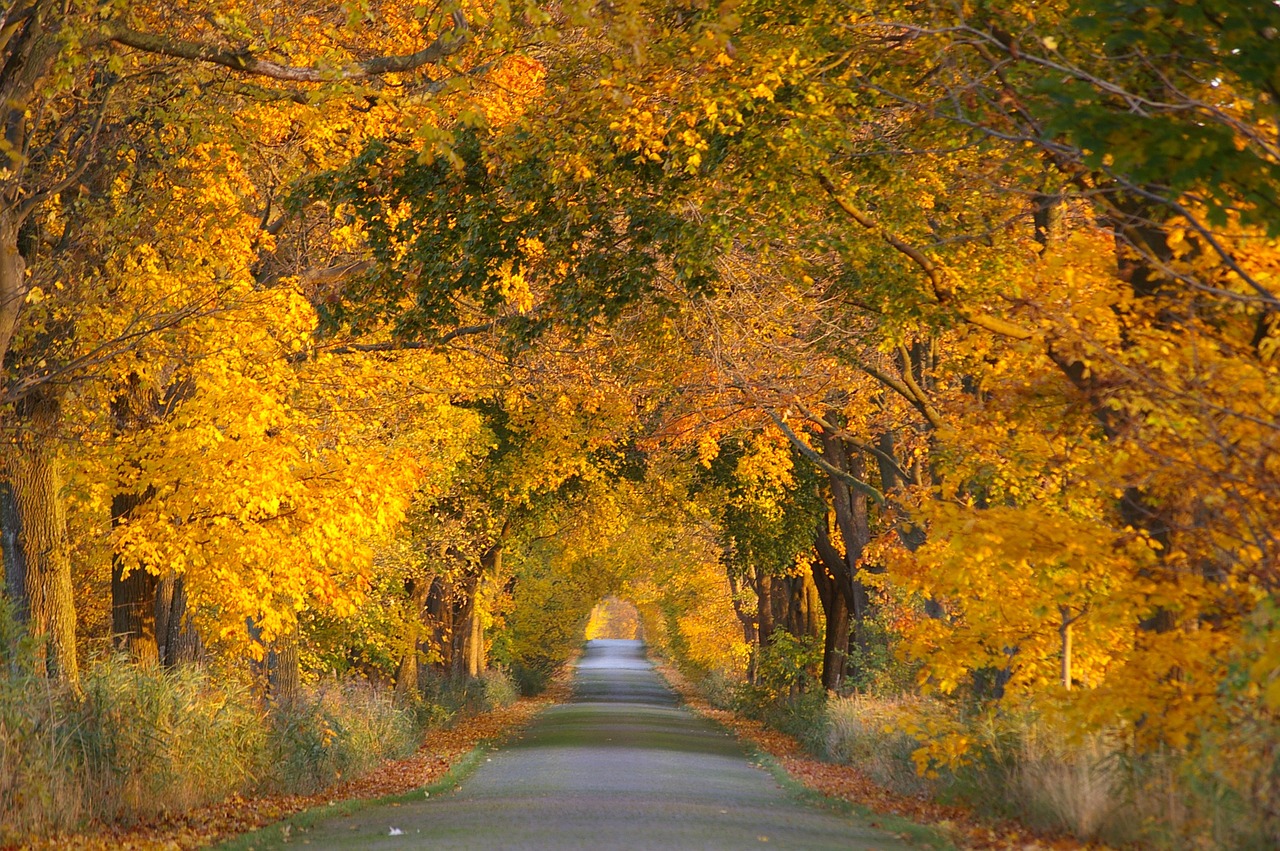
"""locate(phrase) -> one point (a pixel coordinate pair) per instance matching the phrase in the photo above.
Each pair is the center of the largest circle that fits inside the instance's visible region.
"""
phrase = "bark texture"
(42, 545)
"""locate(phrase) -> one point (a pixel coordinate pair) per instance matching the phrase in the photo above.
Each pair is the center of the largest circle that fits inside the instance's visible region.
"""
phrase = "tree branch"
(245, 62)
(396, 345)
(933, 273)
(823, 464)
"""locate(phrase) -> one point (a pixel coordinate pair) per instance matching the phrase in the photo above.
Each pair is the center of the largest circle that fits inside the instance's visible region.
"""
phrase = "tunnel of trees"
(919, 349)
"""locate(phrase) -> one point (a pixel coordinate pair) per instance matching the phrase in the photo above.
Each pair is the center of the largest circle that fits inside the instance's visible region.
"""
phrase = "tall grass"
(334, 731)
(865, 732)
(138, 741)
(1224, 793)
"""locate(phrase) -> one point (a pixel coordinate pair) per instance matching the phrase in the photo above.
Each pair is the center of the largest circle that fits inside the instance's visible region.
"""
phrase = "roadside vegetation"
(137, 742)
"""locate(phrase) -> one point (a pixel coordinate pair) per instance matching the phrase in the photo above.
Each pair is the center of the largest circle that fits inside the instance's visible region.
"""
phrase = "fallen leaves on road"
(961, 826)
(439, 751)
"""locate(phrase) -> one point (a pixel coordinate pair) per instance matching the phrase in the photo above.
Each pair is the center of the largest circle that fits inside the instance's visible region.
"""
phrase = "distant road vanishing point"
(621, 766)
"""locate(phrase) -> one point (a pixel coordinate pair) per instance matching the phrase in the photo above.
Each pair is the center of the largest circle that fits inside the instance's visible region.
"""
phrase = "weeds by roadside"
(139, 742)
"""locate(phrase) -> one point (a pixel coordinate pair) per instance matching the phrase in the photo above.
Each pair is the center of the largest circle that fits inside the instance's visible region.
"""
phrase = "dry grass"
(866, 732)
(1076, 788)
(140, 743)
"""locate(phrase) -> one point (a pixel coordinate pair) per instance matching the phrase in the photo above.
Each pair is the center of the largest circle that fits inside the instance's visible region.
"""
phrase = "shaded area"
(621, 766)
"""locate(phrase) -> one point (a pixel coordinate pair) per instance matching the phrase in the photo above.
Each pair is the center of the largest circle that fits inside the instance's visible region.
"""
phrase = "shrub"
(151, 740)
(138, 741)
(498, 689)
(868, 732)
(332, 731)
(786, 693)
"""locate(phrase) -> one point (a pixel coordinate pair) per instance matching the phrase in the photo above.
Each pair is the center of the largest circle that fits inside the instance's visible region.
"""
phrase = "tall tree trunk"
(13, 278)
(464, 610)
(182, 645)
(490, 571)
(15, 561)
(133, 596)
(284, 674)
(41, 541)
(835, 606)
(416, 590)
(440, 620)
(750, 634)
(28, 50)
(764, 606)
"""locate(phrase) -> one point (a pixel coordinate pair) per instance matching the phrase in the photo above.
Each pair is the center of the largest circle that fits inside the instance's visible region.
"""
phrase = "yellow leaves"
(640, 132)
(513, 287)
(708, 448)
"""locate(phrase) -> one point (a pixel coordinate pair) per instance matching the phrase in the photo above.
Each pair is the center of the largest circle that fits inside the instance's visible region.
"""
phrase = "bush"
(151, 740)
(498, 689)
(786, 693)
(138, 741)
(867, 732)
(37, 791)
(532, 675)
(333, 731)
(468, 696)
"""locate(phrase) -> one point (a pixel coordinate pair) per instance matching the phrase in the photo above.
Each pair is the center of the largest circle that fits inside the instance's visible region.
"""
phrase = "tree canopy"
(411, 332)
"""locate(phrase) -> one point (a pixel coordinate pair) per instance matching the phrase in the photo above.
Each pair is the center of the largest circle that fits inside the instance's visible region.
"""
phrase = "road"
(622, 765)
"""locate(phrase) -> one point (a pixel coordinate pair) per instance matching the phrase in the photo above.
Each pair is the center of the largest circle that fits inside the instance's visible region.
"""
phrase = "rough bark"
(15, 562)
(27, 53)
(464, 611)
(764, 606)
(284, 673)
(835, 607)
(181, 642)
(133, 596)
(13, 282)
(407, 678)
(41, 541)
(440, 618)
(750, 633)
(850, 508)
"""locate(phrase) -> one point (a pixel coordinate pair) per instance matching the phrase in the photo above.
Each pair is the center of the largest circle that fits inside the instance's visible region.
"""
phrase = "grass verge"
(279, 834)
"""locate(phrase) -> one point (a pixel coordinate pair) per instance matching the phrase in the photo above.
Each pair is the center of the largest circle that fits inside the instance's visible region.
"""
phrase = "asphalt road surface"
(622, 765)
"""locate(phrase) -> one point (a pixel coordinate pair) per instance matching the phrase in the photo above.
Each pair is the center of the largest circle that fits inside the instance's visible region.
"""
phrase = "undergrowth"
(1220, 791)
(136, 741)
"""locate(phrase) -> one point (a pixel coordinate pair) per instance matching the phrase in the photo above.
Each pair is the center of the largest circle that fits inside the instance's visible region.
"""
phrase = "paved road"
(620, 766)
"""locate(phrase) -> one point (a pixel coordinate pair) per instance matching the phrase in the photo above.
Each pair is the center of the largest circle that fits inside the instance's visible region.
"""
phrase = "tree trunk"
(764, 606)
(750, 634)
(464, 609)
(835, 607)
(407, 673)
(15, 562)
(440, 620)
(1064, 632)
(13, 277)
(852, 520)
(133, 596)
(181, 643)
(42, 546)
(284, 674)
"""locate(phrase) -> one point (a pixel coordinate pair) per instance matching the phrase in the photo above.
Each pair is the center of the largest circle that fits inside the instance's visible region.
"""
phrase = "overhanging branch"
(823, 464)
(246, 62)
(933, 273)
